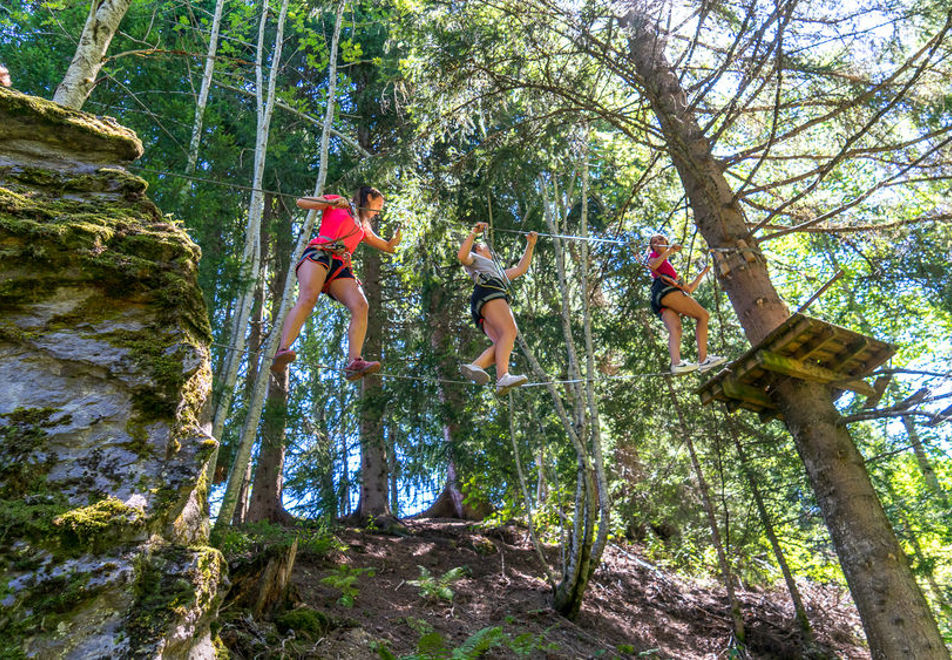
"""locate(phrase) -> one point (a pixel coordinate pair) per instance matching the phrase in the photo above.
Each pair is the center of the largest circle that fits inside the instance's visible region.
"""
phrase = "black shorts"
(483, 292)
(336, 267)
(659, 289)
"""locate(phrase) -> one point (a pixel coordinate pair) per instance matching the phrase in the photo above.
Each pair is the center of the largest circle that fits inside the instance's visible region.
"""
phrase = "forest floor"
(503, 606)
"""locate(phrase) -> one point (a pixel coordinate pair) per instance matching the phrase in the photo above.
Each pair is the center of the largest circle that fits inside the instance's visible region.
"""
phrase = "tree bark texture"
(451, 502)
(374, 482)
(80, 78)
(895, 614)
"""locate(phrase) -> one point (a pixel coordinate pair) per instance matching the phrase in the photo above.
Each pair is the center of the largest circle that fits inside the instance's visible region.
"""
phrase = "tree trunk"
(250, 255)
(266, 494)
(202, 100)
(895, 614)
(256, 401)
(101, 25)
(705, 491)
(374, 482)
(922, 459)
(450, 503)
(799, 609)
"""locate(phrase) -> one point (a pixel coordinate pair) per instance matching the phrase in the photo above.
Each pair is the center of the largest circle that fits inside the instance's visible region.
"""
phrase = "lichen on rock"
(104, 387)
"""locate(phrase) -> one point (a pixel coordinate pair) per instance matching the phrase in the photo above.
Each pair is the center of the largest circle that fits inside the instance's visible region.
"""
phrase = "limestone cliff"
(104, 379)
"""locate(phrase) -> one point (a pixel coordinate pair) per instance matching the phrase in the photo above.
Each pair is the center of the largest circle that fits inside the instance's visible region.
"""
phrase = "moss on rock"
(170, 583)
(98, 525)
(22, 468)
(304, 620)
(37, 119)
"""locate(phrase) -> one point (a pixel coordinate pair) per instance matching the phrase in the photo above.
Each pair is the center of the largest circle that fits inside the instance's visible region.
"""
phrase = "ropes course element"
(566, 237)
(434, 379)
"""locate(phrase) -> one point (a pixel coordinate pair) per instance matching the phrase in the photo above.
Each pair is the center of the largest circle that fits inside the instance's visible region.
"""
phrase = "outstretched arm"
(467, 245)
(520, 269)
(666, 251)
(321, 203)
(697, 280)
(373, 240)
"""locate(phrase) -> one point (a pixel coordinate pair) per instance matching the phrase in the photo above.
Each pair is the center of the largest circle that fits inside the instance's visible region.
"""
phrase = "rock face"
(104, 379)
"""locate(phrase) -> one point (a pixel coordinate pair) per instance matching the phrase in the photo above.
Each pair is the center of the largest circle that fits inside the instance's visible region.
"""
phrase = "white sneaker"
(509, 381)
(683, 367)
(474, 373)
(711, 362)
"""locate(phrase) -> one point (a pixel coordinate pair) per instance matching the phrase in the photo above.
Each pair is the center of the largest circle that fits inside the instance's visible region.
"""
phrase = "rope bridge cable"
(434, 379)
(568, 237)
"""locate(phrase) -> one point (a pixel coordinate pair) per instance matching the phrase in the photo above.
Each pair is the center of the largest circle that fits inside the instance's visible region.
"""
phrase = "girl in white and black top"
(490, 309)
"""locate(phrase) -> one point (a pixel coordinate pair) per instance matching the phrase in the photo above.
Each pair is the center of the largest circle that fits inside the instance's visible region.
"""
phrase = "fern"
(433, 588)
(344, 580)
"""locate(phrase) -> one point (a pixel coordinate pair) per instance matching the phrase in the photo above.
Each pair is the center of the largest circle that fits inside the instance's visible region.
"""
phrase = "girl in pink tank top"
(671, 299)
(325, 267)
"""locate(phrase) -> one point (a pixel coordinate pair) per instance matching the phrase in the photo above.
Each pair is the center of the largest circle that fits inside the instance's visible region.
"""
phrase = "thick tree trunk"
(374, 482)
(101, 25)
(451, 502)
(895, 614)
(266, 493)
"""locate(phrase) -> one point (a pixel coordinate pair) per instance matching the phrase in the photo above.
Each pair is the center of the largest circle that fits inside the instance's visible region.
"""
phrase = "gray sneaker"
(683, 367)
(710, 362)
(474, 373)
(509, 381)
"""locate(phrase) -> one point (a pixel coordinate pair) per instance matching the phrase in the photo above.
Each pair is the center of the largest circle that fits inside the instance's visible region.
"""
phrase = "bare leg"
(310, 282)
(501, 327)
(672, 322)
(486, 358)
(348, 292)
(688, 306)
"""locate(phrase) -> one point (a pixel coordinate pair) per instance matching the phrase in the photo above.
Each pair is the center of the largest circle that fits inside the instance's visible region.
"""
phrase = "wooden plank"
(880, 353)
(880, 387)
(737, 390)
(854, 348)
(798, 325)
(789, 367)
(815, 343)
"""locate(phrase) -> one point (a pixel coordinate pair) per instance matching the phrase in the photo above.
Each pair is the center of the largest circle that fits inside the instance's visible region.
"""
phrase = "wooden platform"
(805, 348)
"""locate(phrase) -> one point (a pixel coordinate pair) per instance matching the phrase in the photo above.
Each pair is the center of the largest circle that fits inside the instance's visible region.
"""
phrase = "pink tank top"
(339, 224)
(664, 269)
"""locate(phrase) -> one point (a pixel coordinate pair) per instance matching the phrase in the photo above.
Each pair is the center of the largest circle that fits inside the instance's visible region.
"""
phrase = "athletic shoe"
(474, 373)
(281, 360)
(509, 381)
(683, 367)
(359, 367)
(711, 362)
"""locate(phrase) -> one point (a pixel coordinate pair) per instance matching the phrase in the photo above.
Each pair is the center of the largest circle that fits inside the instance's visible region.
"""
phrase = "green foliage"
(303, 620)
(345, 581)
(438, 588)
(433, 646)
(246, 541)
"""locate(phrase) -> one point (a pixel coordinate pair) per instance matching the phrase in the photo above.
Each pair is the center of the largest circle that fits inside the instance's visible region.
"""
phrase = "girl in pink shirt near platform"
(325, 267)
(671, 299)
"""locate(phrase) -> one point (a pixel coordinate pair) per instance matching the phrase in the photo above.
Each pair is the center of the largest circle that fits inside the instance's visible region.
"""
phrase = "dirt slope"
(631, 610)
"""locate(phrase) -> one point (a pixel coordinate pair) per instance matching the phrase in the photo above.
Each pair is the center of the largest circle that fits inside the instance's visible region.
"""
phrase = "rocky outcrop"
(104, 379)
